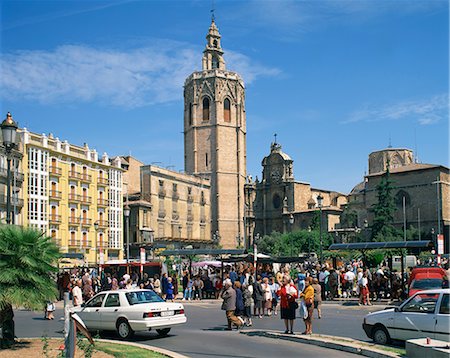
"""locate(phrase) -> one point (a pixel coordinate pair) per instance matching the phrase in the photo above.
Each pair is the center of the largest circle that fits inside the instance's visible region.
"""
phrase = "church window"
(276, 201)
(215, 62)
(190, 114)
(399, 199)
(215, 43)
(206, 160)
(226, 110)
(206, 109)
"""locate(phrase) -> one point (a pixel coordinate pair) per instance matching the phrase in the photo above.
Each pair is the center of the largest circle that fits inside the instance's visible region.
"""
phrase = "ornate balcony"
(74, 197)
(74, 220)
(85, 222)
(86, 199)
(78, 243)
(55, 194)
(84, 177)
(102, 202)
(14, 201)
(102, 181)
(54, 219)
(4, 175)
(55, 171)
(102, 223)
(74, 175)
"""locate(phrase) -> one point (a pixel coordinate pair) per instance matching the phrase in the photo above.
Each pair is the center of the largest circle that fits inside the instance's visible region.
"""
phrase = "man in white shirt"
(126, 277)
(77, 294)
(350, 279)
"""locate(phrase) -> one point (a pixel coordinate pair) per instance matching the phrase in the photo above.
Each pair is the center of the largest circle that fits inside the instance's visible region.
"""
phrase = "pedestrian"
(350, 280)
(248, 301)
(288, 294)
(333, 282)
(175, 285)
(364, 293)
(239, 312)
(317, 297)
(267, 296)
(157, 285)
(323, 278)
(77, 294)
(114, 283)
(164, 283)
(88, 292)
(185, 280)
(187, 294)
(170, 289)
(274, 287)
(229, 305)
(258, 297)
(301, 280)
(308, 301)
(49, 309)
(198, 287)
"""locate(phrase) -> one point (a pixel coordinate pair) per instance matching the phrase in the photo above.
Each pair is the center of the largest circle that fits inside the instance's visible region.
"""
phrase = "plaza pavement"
(204, 334)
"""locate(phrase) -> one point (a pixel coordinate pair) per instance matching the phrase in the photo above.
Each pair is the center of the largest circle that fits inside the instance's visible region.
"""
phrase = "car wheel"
(123, 329)
(163, 332)
(380, 335)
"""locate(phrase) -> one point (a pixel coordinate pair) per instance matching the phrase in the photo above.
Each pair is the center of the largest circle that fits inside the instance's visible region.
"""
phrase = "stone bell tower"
(214, 138)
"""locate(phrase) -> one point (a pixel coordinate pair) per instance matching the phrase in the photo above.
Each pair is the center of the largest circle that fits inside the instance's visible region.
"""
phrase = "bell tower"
(214, 138)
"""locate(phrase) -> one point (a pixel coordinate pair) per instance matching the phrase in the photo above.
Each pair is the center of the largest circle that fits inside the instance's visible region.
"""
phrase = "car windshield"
(427, 284)
(137, 297)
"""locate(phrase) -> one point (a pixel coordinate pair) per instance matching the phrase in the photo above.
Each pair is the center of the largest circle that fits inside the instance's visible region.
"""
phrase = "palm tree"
(27, 259)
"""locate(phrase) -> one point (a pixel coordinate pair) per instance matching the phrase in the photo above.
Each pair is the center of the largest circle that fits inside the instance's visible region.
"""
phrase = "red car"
(426, 279)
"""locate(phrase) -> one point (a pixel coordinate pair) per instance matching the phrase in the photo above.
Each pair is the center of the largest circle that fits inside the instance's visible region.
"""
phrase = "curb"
(143, 346)
(331, 342)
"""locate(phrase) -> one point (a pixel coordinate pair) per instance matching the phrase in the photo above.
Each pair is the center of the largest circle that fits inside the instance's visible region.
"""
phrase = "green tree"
(27, 259)
(294, 243)
(383, 210)
(349, 217)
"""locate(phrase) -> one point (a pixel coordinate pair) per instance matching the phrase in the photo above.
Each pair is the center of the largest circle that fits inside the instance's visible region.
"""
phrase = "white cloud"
(425, 111)
(300, 16)
(126, 78)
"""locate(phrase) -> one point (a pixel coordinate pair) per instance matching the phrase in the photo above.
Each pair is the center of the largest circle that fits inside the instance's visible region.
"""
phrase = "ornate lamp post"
(9, 133)
(126, 213)
(319, 204)
(291, 222)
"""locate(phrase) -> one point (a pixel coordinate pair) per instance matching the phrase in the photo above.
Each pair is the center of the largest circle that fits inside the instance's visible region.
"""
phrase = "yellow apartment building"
(73, 195)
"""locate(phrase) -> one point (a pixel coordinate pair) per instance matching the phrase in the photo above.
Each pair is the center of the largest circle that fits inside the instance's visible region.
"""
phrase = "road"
(204, 334)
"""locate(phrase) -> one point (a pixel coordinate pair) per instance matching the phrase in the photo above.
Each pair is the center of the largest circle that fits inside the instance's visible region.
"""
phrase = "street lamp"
(9, 133)
(319, 204)
(291, 222)
(126, 213)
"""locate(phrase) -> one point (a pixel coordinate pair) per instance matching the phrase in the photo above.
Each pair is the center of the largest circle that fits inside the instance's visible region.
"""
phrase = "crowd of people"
(248, 293)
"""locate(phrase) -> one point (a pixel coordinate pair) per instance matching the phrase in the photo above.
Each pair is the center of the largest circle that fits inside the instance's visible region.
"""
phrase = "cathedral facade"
(280, 203)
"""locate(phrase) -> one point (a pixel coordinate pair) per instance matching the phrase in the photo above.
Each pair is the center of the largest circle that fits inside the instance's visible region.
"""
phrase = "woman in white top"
(267, 296)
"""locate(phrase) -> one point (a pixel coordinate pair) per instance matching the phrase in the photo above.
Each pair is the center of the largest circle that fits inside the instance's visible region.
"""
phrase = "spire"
(213, 53)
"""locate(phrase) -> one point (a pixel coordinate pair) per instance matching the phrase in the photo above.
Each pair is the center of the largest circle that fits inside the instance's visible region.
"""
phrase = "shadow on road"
(219, 328)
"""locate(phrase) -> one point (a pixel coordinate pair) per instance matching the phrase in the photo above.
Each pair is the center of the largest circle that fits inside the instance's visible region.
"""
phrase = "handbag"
(293, 305)
(303, 310)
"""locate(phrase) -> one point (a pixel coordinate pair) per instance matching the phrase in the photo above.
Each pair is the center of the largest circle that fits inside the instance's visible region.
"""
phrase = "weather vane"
(275, 136)
(213, 17)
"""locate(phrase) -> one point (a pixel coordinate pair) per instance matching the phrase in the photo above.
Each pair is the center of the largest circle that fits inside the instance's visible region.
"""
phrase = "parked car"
(129, 311)
(425, 314)
(425, 281)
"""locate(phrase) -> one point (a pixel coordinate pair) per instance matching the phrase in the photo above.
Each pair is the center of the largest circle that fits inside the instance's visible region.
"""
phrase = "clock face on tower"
(276, 175)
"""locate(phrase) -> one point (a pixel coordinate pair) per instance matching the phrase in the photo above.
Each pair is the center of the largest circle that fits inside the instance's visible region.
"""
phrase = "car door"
(110, 311)
(416, 318)
(442, 319)
(90, 314)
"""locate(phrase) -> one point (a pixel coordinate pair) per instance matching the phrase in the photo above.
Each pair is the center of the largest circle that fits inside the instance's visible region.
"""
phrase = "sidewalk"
(332, 342)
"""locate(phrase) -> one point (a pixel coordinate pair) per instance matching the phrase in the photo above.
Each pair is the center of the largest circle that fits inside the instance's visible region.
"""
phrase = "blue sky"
(334, 79)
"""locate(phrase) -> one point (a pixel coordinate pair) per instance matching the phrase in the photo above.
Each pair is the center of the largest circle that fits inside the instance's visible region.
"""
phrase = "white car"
(425, 314)
(129, 311)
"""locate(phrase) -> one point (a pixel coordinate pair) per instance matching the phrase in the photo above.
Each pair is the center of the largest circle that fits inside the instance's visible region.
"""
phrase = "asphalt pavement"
(204, 334)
